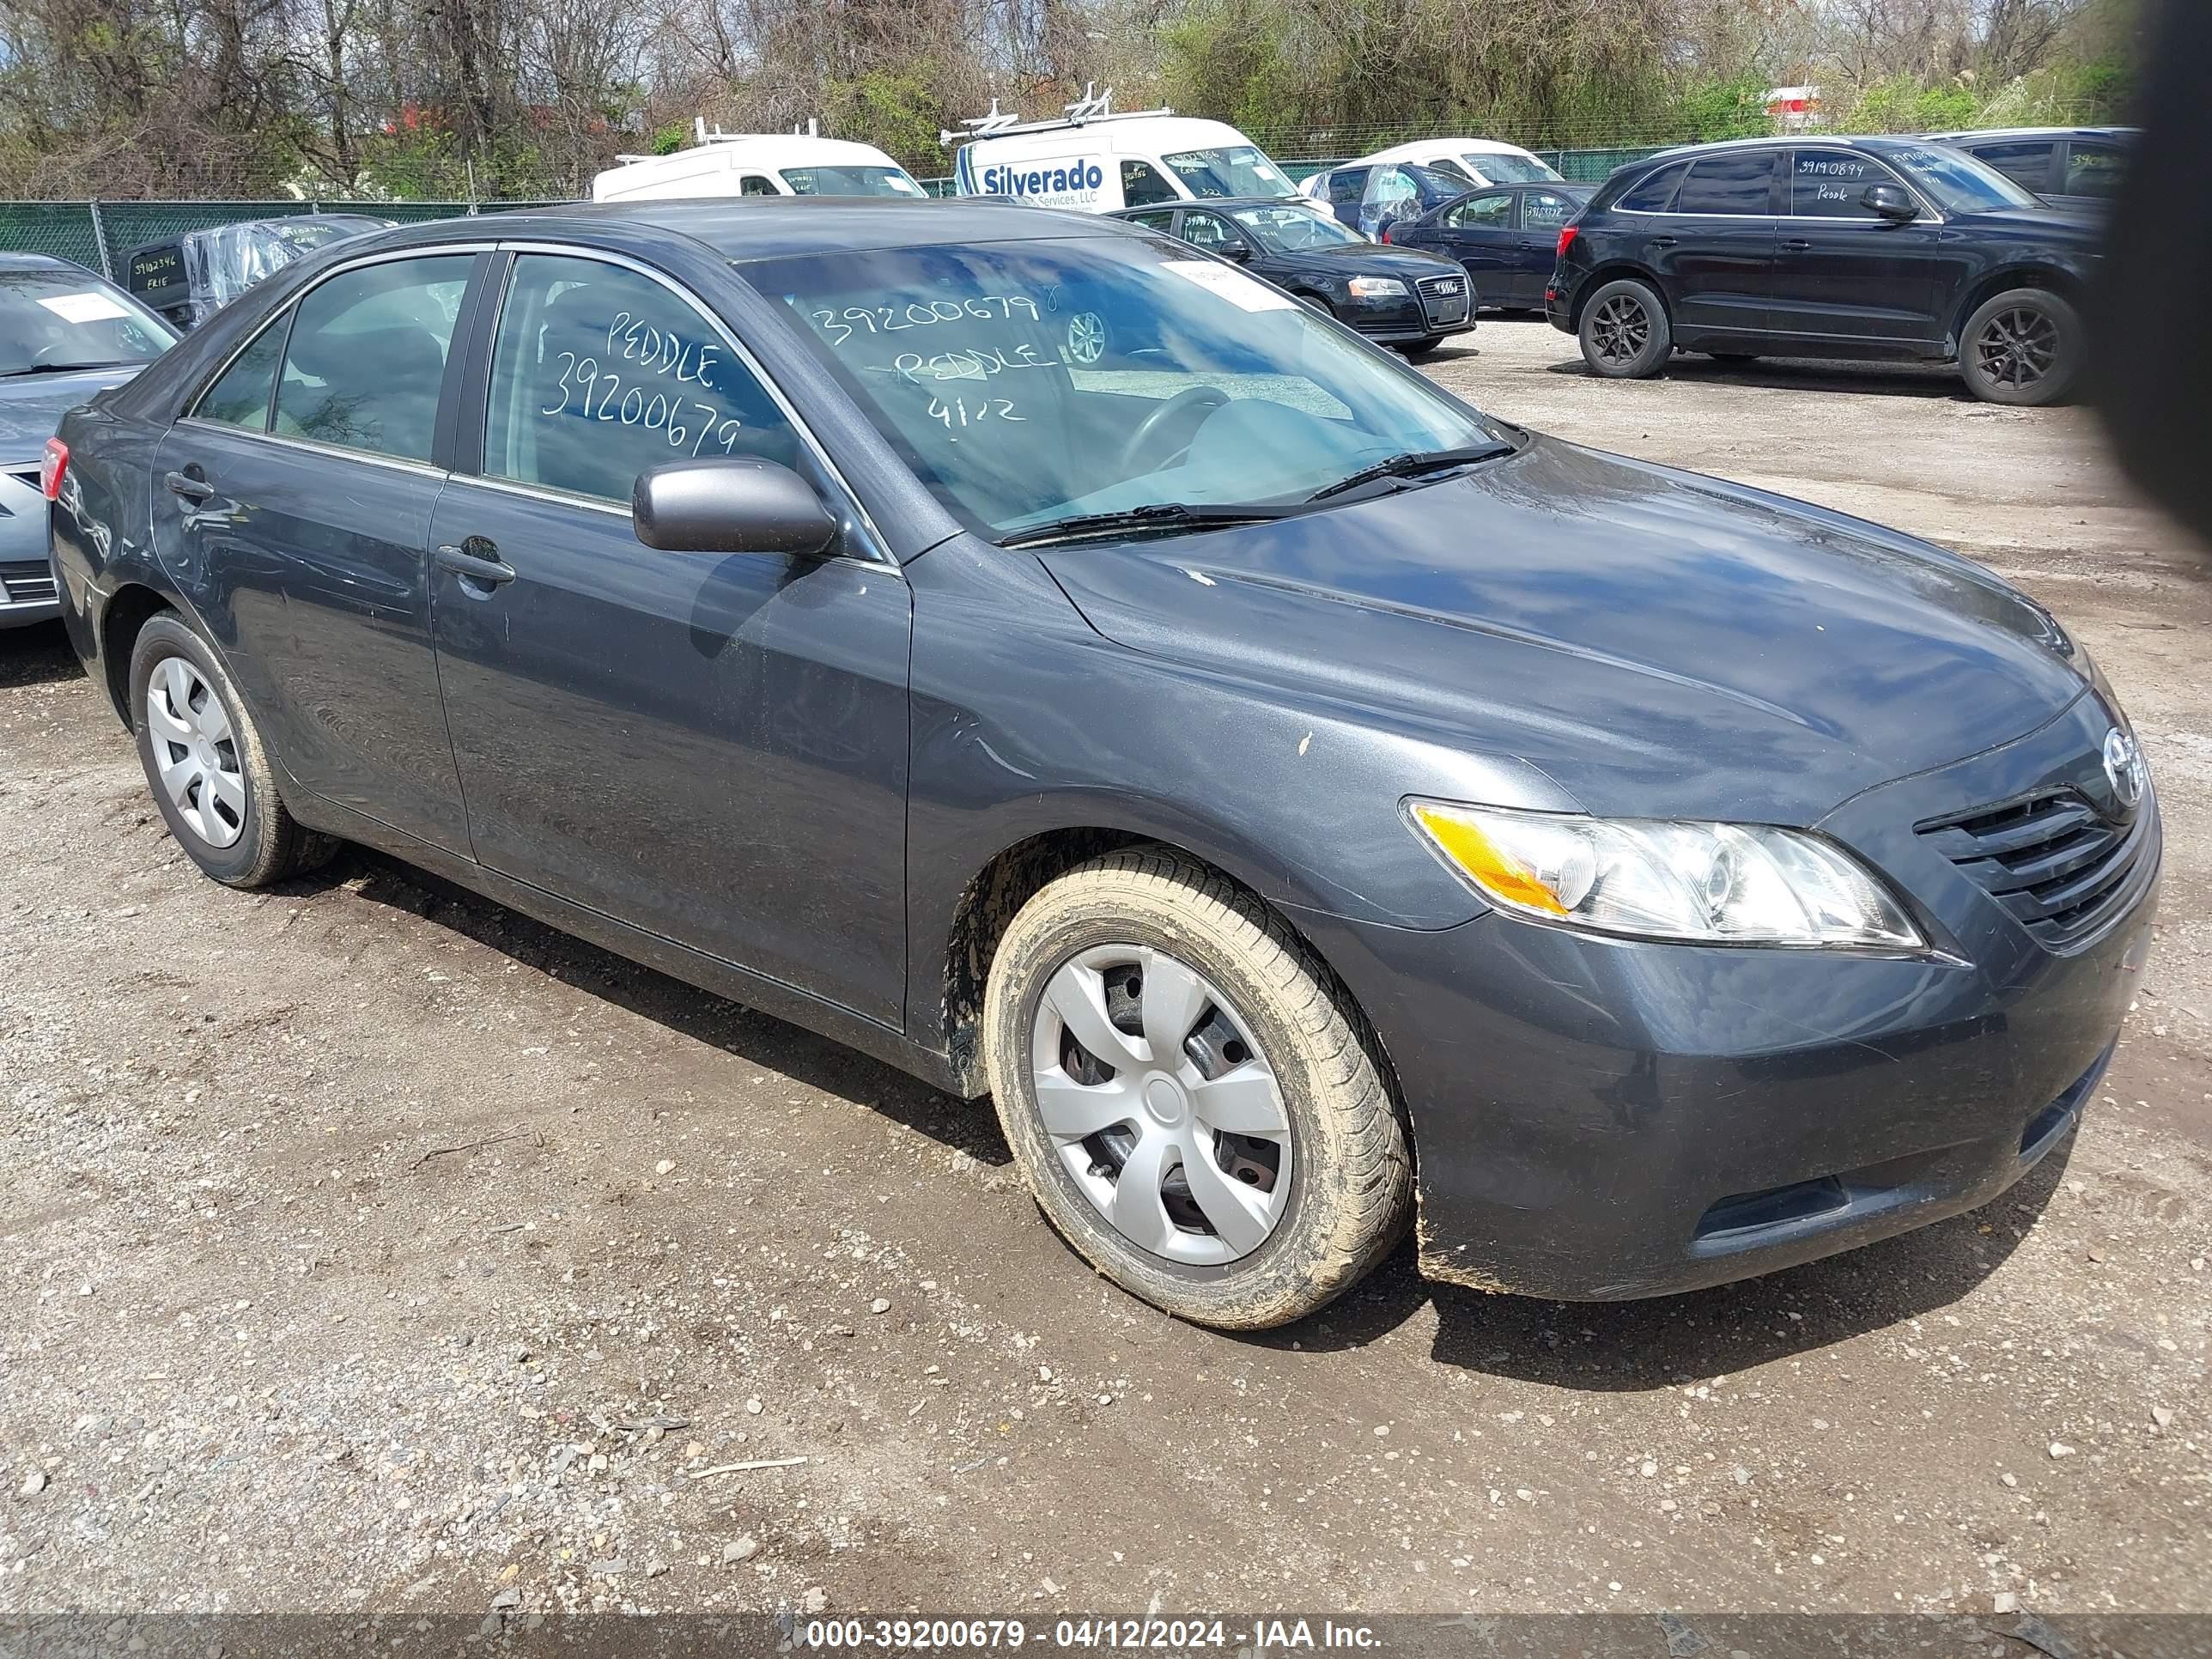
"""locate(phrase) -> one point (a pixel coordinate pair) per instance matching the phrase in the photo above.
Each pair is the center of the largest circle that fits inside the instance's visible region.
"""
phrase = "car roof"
(1304, 204)
(1420, 147)
(10, 260)
(1978, 133)
(747, 228)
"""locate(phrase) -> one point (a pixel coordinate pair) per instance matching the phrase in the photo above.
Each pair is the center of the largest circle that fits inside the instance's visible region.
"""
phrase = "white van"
(1093, 161)
(1479, 160)
(757, 164)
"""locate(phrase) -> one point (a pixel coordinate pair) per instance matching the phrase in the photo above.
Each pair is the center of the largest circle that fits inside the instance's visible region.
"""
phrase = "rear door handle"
(1796, 247)
(476, 561)
(188, 485)
(1663, 241)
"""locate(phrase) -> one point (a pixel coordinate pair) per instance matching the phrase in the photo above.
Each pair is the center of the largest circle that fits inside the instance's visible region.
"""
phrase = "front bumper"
(28, 594)
(27, 579)
(1597, 1120)
(1420, 316)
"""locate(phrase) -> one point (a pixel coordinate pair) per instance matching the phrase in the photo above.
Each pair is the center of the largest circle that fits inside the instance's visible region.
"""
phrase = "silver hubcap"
(196, 753)
(1086, 338)
(1162, 1108)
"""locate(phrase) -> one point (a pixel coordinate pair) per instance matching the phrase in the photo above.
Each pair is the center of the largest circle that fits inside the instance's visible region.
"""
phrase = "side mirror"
(730, 504)
(1236, 251)
(1891, 201)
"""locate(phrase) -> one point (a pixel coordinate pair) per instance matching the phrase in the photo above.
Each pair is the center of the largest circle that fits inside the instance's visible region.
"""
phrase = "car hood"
(1374, 259)
(31, 406)
(1656, 642)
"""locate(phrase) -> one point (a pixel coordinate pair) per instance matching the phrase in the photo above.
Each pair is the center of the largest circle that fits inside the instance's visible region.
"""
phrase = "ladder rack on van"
(1093, 105)
(703, 134)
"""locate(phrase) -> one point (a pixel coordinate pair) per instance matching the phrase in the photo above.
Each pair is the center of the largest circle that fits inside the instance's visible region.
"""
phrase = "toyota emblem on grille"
(2124, 768)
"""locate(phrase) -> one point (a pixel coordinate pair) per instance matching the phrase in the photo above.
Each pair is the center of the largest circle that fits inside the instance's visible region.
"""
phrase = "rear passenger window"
(2092, 170)
(367, 358)
(1828, 184)
(600, 373)
(2027, 163)
(1655, 194)
(1493, 211)
(240, 396)
(1161, 220)
(1346, 185)
(1740, 183)
(1142, 185)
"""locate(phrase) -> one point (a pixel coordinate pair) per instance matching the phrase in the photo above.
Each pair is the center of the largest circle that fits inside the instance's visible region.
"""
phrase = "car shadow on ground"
(1613, 1348)
(757, 1038)
(1588, 1346)
(38, 655)
(1929, 380)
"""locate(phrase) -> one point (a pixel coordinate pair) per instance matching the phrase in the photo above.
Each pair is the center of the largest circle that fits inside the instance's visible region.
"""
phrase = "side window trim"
(289, 315)
(878, 547)
(282, 320)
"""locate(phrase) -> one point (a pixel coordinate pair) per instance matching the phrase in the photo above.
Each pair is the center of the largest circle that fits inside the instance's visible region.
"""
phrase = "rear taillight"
(1385, 235)
(1566, 236)
(52, 466)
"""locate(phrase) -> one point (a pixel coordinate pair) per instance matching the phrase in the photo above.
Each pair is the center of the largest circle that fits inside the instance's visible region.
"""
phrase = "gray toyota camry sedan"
(1297, 798)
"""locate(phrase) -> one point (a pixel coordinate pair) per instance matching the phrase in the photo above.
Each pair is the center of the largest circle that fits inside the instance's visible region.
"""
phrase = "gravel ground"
(369, 1247)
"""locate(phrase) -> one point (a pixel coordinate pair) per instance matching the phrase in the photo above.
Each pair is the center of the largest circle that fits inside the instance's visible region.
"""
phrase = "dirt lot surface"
(367, 1247)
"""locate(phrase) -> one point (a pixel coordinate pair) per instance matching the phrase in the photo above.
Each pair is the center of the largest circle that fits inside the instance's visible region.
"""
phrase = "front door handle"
(1663, 241)
(1796, 245)
(189, 485)
(478, 561)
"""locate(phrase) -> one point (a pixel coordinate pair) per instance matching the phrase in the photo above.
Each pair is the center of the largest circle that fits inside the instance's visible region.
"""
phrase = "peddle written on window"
(666, 374)
(945, 349)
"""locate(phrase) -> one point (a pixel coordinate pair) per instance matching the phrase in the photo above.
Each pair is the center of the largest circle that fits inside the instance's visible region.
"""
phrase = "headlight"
(1376, 287)
(1714, 883)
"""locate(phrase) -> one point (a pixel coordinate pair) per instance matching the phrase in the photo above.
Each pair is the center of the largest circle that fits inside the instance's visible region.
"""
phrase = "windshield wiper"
(1413, 461)
(60, 368)
(1166, 516)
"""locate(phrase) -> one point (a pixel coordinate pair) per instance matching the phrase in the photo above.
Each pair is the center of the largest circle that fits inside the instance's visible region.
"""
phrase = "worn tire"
(1657, 336)
(1352, 1192)
(270, 845)
(2050, 386)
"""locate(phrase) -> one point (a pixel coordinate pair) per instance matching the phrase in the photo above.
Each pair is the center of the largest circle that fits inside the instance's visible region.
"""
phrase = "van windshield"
(1231, 170)
(1506, 169)
(849, 181)
(1031, 382)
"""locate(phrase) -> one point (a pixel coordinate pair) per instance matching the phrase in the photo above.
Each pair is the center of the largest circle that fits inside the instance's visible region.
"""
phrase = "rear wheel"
(206, 764)
(1624, 333)
(1196, 1102)
(2023, 347)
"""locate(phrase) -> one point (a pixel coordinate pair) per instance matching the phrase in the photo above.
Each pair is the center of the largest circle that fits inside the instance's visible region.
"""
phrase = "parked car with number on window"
(1372, 198)
(2074, 168)
(1505, 237)
(1251, 770)
(1409, 299)
(1841, 247)
(65, 335)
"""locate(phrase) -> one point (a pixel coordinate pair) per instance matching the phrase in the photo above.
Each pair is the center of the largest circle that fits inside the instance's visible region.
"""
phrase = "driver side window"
(600, 373)
(1207, 230)
(1142, 185)
(1491, 212)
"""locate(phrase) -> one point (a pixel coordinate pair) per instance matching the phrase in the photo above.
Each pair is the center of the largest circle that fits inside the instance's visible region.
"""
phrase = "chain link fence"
(100, 235)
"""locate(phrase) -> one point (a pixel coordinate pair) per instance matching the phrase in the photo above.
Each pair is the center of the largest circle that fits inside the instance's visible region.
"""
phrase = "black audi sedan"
(1405, 298)
(1865, 248)
(1505, 236)
(1292, 794)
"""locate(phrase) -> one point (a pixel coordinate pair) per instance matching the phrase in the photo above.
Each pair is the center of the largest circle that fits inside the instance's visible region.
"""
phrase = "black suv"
(1836, 247)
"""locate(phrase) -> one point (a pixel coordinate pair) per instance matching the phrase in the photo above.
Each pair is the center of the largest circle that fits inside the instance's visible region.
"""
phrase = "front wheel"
(2023, 347)
(1625, 332)
(1196, 1102)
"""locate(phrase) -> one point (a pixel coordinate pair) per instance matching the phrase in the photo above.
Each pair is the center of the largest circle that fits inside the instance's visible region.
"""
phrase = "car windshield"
(1959, 183)
(1232, 170)
(52, 320)
(1291, 229)
(1504, 168)
(1031, 382)
(850, 182)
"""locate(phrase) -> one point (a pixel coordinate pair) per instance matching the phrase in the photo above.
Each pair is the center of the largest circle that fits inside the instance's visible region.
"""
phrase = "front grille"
(2051, 858)
(1444, 298)
(27, 584)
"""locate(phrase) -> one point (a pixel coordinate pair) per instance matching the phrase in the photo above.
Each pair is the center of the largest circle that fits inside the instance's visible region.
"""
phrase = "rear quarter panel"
(100, 530)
